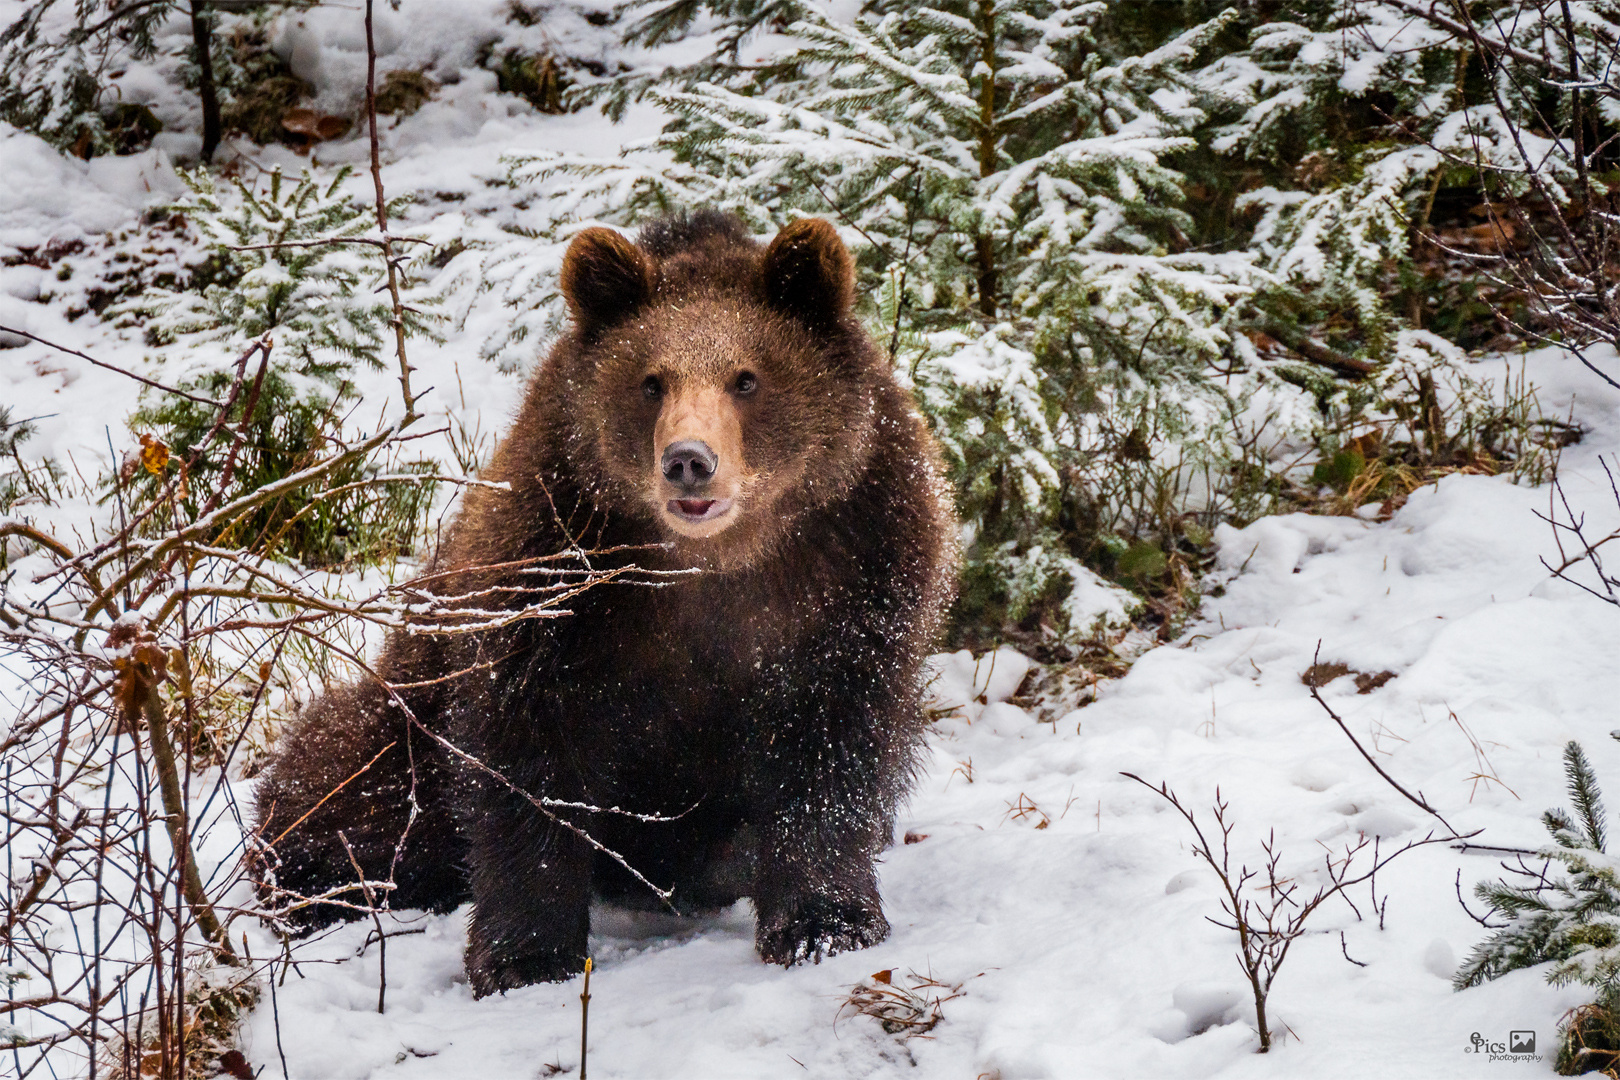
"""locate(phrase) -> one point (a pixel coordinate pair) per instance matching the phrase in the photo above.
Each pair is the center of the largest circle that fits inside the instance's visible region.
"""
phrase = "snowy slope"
(1081, 947)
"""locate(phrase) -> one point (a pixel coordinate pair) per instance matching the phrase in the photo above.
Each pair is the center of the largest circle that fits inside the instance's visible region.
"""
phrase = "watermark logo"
(1518, 1046)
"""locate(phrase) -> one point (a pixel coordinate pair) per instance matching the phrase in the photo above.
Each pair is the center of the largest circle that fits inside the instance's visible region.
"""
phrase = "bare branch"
(110, 367)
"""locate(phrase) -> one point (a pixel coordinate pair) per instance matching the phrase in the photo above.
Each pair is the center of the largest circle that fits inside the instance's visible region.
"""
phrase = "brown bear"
(717, 417)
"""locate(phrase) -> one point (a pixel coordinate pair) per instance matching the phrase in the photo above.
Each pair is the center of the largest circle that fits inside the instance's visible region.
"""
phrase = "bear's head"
(719, 386)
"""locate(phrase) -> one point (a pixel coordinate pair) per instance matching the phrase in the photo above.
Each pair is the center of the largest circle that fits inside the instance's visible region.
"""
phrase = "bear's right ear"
(604, 278)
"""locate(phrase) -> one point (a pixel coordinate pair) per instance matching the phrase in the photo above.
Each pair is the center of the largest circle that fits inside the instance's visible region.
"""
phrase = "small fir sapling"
(1292, 96)
(289, 258)
(1363, 115)
(1376, 141)
(1568, 918)
(53, 59)
(294, 260)
(1572, 919)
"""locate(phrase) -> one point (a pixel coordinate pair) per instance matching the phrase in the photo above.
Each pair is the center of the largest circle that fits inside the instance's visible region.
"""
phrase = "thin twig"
(371, 902)
(111, 367)
(151, 702)
(382, 223)
(1416, 800)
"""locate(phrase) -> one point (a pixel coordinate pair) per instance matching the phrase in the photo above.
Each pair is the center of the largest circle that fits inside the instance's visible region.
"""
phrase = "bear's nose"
(690, 463)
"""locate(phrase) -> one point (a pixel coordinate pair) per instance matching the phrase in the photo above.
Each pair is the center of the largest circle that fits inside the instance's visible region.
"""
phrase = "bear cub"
(738, 715)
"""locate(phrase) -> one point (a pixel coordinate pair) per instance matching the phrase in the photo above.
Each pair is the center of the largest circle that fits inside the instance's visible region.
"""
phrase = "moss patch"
(404, 92)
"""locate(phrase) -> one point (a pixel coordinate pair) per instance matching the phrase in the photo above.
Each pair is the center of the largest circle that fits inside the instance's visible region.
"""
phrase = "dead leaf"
(150, 653)
(1366, 684)
(1263, 341)
(154, 454)
(1319, 675)
(313, 125)
(1370, 445)
(122, 634)
(139, 671)
(301, 121)
(236, 1064)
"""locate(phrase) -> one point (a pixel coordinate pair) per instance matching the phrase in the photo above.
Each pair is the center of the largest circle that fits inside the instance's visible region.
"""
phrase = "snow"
(49, 197)
(1082, 945)
(1060, 895)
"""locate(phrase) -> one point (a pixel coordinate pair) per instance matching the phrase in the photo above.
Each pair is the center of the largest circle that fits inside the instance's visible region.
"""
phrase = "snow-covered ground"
(1081, 945)
(1061, 897)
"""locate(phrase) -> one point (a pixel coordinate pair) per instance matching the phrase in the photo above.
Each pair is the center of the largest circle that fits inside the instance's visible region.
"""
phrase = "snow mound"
(47, 197)
(959, 683)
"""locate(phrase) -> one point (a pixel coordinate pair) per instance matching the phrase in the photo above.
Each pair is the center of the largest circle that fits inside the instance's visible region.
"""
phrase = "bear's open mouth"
(699, 509)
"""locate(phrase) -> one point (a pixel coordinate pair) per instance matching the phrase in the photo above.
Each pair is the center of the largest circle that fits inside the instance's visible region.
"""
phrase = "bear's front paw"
(491, 975)
(816, 927)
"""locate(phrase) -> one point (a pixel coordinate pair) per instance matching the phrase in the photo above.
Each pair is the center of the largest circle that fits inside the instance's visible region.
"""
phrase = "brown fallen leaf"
(1367, 683)
(236, 1064)
(1319, 675)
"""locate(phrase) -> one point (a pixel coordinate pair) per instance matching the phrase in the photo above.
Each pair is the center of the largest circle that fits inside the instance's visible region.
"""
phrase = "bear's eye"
(747, 383)
(651, 388)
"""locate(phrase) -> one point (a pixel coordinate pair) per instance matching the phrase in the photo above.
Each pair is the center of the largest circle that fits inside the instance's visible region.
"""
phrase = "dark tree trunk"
(985, 252)
(984, 248)
(202, 40)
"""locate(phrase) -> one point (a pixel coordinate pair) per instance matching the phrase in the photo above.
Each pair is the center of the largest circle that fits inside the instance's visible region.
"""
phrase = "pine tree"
(1572, 920)
(666, 22)
(1009, 176)
(1000, 175)
(292, 259)
(54, 63)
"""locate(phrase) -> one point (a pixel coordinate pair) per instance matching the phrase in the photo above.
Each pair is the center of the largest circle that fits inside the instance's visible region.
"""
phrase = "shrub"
(292, 262)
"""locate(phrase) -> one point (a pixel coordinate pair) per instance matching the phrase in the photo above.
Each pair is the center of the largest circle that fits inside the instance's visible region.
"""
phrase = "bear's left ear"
(808, 272)
(604, 278)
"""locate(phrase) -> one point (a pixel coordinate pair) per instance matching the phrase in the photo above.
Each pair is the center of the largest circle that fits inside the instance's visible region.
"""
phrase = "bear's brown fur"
(715, 408)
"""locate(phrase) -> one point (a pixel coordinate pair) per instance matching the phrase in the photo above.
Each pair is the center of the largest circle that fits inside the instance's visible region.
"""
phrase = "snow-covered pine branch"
(1417, 78)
